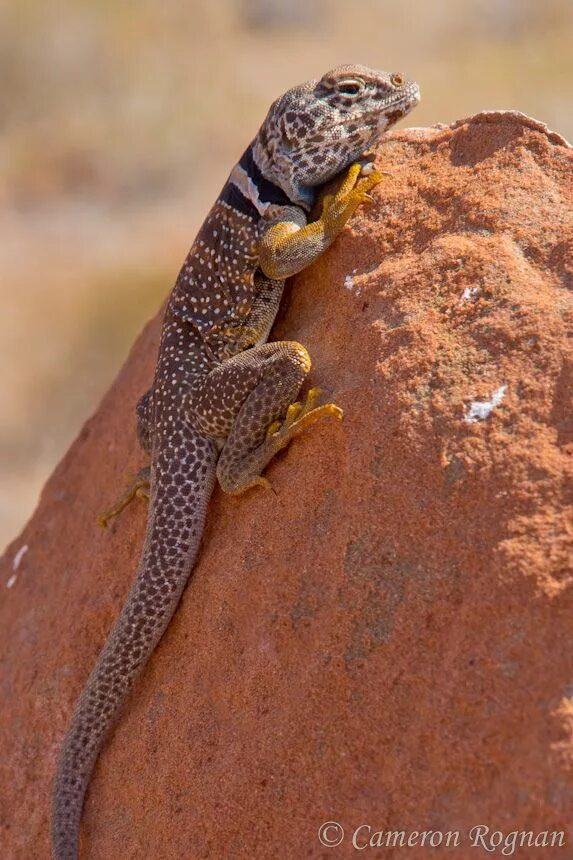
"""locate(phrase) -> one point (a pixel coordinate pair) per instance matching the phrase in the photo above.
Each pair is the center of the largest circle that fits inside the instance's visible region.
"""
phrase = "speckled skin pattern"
(222, 402)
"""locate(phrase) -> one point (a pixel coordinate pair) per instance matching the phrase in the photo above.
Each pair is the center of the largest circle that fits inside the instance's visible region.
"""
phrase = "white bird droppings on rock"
(479, 410)
(349, 281)
(469, 294)
(19, 556)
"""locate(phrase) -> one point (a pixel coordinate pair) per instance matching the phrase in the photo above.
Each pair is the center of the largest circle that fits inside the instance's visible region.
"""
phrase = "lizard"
(224, 400)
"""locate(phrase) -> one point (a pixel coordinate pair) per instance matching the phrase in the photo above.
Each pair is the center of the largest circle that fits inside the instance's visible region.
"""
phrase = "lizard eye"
(397, 80)
(351, 87)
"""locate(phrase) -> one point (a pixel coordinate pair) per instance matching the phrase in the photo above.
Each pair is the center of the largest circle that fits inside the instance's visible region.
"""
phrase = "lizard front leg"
(289, 246)
(249, 401)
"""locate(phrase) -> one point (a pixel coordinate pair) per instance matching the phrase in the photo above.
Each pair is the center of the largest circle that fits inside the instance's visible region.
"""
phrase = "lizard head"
(319, 128)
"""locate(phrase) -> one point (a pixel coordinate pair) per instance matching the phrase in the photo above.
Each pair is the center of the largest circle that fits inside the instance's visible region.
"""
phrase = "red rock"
(387, 640)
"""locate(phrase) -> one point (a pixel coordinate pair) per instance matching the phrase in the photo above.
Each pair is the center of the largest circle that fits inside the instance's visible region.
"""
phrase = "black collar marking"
(235, 198)
(268, 191)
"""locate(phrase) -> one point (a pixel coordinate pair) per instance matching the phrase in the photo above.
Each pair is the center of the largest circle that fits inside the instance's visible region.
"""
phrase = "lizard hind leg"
(299, 416)
(138, 488)
(270, 417)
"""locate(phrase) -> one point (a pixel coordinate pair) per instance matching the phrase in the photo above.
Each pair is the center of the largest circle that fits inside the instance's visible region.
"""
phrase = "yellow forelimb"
(286, 248)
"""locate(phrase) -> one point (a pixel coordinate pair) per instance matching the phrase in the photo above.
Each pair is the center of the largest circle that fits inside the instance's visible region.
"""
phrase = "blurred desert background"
(120, 121)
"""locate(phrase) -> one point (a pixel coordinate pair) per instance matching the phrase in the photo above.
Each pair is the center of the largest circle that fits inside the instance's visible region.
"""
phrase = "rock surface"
(387, 639)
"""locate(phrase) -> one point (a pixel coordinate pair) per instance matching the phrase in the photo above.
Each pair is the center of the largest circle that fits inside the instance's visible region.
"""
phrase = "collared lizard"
(223, 400)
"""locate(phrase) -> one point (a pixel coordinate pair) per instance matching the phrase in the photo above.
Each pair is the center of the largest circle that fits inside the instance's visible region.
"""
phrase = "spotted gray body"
(222, 401)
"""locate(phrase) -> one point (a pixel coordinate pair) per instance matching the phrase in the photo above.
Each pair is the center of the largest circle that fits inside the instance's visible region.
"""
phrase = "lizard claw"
(299, 416)
(358, 182)
(139, 487)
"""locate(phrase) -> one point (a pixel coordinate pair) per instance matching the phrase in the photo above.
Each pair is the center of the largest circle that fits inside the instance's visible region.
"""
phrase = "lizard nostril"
(397, 80)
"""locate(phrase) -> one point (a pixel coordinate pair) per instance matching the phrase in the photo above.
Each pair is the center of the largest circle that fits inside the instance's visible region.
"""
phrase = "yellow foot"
(257, 481)
(299, 416)
(337, 208)
(138, 489)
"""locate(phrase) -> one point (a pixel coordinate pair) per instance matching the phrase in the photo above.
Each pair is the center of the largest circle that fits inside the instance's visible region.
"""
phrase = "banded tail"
(181, 485)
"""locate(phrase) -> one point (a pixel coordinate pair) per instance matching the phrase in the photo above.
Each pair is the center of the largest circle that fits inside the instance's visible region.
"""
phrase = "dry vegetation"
(118, 123)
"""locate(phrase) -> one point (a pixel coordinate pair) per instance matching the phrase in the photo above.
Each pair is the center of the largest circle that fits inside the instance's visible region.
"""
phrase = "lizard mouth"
(393, 109)
(387, 112)
(405, 100)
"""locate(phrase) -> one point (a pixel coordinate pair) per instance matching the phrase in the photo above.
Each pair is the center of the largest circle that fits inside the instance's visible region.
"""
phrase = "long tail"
(182, 482)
